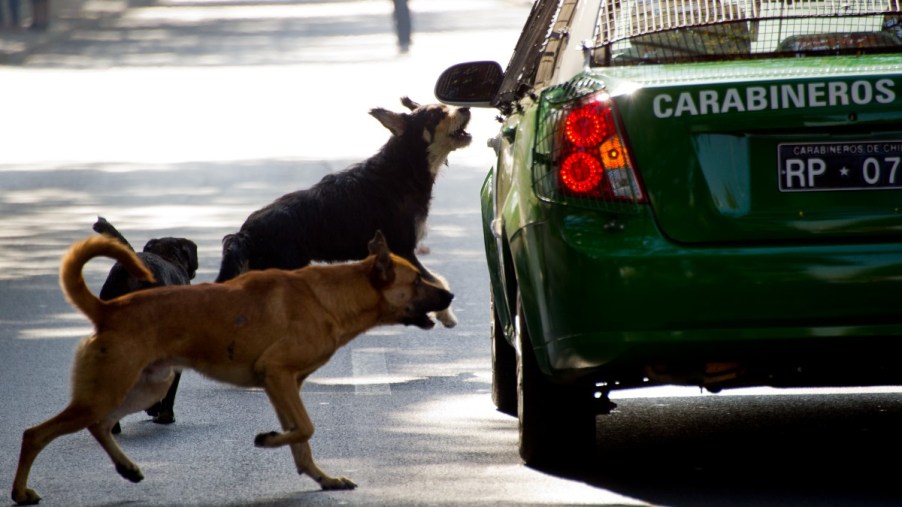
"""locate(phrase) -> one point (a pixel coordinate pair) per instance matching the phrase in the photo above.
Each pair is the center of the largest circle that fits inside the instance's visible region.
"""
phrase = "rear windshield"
(632, 32)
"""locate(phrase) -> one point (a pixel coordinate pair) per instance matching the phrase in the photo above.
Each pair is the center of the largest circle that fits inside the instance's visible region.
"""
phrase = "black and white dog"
(173, 261)
(334, 219)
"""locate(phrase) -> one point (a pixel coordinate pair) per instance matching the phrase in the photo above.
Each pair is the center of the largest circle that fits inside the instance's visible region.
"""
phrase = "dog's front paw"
(27, 497)
(446, 317)
(333, 483)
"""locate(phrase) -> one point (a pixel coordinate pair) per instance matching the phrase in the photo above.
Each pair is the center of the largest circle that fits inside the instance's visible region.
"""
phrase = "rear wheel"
(557, 422)
(504, 368)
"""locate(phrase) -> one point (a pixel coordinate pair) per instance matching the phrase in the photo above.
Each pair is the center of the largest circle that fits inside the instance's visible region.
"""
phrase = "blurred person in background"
(10, 7)
(402, 25)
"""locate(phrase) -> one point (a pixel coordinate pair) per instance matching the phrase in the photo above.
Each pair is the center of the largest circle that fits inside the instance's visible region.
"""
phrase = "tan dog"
(268, 329)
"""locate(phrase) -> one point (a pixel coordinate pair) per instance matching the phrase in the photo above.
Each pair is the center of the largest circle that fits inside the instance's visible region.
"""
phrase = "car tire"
(504, 368)
(556, 421)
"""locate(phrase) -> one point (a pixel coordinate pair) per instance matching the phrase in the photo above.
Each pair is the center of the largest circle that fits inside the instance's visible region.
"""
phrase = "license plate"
(807, 167)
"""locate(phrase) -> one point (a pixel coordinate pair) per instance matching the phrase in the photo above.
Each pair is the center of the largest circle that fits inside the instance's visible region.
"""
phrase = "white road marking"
(370, 372)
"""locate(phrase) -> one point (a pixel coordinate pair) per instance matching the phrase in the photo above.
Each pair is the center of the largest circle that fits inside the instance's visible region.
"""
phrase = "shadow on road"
(797, 450)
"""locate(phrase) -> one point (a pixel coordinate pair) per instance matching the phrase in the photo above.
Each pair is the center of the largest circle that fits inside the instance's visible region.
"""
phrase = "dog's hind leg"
(152, 382)
(284, 394)
(124, 466)
(73, 418)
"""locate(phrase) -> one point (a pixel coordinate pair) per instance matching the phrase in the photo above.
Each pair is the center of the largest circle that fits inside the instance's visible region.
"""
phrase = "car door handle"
(495, 225)
(495, 144)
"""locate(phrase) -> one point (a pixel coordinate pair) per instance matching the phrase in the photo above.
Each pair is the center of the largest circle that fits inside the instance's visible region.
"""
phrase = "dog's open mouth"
(421, 321)
(461, 134)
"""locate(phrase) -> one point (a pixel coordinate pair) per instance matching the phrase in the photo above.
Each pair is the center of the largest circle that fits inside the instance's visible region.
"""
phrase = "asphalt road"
(179, 119)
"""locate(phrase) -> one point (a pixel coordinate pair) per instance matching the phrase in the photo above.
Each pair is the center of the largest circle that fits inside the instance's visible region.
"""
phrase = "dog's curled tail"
(72, 280)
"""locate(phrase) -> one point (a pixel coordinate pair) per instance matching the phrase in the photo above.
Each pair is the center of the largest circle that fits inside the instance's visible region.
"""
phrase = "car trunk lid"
(767, 150)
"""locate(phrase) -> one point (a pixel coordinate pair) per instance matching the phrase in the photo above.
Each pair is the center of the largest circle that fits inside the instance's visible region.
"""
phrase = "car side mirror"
(471, 84)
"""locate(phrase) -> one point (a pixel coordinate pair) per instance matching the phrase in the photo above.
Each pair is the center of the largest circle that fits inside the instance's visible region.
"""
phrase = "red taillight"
(581, 172)
(592, 158)
(584, 127)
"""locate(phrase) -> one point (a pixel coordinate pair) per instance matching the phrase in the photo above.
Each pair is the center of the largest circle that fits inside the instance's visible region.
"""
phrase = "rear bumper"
(603, 296)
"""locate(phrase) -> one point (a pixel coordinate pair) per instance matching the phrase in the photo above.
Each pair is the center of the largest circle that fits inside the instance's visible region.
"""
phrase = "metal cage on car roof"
(665, 31)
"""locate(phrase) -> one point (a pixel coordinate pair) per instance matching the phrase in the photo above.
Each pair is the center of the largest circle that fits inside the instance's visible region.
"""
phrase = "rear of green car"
(764, 213)
(715, 199)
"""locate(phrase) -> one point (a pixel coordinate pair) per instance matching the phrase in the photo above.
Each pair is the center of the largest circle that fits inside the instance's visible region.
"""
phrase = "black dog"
(334, 219)
(173, 261)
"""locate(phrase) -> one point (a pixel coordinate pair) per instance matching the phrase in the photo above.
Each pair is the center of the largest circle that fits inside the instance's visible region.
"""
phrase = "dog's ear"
(189, 251)
(383, 272)
(409, 104)
(377, 244)
(394, 122)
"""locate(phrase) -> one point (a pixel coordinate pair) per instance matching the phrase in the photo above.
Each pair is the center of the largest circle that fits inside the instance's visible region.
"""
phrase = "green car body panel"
(721, 262)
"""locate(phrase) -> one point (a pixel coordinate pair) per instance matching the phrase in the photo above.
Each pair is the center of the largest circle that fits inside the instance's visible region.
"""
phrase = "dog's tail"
(103, 227)
(234, 257)
(72, 280)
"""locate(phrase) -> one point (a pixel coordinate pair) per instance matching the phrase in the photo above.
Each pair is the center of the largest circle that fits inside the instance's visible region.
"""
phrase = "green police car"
(689, 192)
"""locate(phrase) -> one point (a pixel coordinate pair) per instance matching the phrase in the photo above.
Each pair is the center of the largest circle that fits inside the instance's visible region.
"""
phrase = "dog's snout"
(441, 299)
